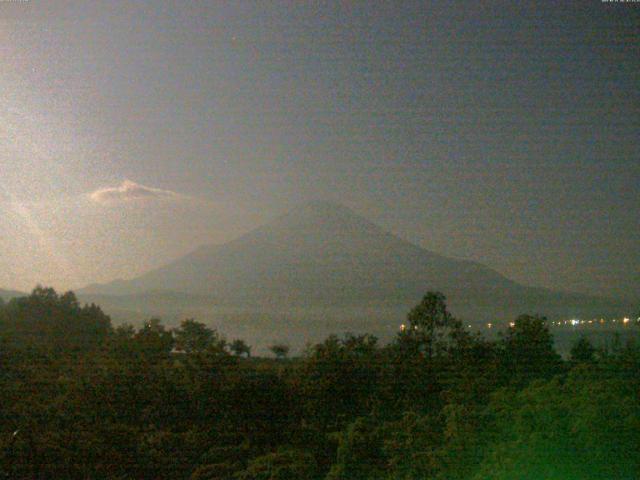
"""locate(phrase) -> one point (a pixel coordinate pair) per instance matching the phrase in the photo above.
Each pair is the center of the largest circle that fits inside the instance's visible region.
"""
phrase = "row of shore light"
(574, 322)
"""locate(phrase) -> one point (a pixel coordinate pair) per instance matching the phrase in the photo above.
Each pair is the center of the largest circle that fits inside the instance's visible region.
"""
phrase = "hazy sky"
(132, 132)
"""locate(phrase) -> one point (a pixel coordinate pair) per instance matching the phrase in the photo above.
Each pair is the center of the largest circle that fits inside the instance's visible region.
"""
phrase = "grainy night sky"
(132, 132)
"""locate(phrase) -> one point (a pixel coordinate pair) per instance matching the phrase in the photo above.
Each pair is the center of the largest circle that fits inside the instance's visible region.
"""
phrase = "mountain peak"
(323, 207)
(324, 254)
(322, 217)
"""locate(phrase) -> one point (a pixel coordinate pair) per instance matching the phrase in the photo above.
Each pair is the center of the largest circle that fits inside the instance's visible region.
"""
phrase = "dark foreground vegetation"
(82, 400)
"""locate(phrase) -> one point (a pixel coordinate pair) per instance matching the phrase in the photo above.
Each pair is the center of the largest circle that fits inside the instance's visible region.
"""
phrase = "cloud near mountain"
(129, 191)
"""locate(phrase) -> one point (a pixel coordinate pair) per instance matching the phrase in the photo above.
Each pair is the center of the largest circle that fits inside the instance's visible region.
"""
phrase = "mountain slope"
(325, 254)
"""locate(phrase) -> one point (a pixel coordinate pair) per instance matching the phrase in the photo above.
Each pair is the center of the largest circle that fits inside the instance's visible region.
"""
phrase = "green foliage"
(240, 348)
(430, 324)
(284, 464)
(280, 350)
(194, 336)
(46, 319)
(561, 430)
(360, 453)
(528, 351)
(154, 340)
(79, 400)
(339, 379)
(221, 462)
(582, 351)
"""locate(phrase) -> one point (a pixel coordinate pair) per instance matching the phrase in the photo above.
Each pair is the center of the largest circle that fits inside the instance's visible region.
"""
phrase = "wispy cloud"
(129, 191)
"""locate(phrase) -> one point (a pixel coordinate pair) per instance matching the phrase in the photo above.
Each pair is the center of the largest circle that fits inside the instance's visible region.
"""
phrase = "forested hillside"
(80, 399)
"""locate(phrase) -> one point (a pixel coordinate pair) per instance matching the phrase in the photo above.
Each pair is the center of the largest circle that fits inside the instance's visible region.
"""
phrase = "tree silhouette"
(582, 350)
(436, 403)
(194, 336)
(280, 350)
(430, 323)
(240, 348)
(45, 318)
(528, 349)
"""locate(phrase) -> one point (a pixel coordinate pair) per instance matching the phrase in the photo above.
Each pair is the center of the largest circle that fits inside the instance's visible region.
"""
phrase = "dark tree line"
(81, 399)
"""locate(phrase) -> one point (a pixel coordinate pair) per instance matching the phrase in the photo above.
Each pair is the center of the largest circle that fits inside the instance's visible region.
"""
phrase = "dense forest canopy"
(82, 399)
